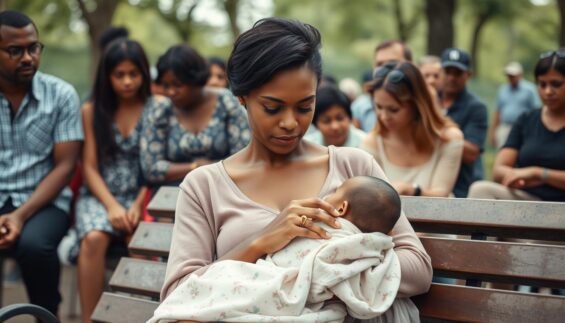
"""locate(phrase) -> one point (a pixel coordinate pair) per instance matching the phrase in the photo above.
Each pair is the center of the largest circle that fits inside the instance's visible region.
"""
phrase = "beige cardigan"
(213, 215)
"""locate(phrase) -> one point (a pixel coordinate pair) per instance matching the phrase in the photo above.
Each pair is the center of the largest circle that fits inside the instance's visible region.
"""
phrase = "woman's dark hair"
(270, 46)
(213, 60)
(329, 96)
(104, 98)
(186, 64)
(554, 60)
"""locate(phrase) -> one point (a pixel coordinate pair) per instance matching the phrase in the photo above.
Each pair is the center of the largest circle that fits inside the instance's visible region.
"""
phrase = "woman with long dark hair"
(531, 164)
(110, 204)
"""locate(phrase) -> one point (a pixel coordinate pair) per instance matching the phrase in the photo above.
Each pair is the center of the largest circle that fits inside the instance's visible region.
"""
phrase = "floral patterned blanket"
(353, 273)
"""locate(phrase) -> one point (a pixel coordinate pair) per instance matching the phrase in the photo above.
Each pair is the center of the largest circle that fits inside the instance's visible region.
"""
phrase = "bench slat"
(137, 276)
(526, 264)
(471, 304)
(516, 219)
(114, 308)
(163, 204)
(152, 239)
(513, 219)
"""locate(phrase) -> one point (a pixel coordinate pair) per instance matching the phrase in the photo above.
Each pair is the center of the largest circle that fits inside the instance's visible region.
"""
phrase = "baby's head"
(370, 203)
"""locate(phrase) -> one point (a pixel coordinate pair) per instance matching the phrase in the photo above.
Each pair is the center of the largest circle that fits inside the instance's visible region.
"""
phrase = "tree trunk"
(561, 5)
(439, 14)
(481, 21)
(401, 28)
(97, 20)
(232, 8)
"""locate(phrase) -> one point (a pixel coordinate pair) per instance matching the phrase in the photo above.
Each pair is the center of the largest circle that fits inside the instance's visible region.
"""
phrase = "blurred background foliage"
(495, 31)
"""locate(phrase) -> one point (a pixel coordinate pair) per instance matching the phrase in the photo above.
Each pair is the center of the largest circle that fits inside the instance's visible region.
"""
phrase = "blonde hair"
(408, 86)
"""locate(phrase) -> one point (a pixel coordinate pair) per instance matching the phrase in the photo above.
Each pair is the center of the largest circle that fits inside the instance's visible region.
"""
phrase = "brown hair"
(409, 87)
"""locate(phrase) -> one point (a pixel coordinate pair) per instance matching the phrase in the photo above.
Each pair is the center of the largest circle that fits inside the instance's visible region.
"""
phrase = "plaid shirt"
(49, 114)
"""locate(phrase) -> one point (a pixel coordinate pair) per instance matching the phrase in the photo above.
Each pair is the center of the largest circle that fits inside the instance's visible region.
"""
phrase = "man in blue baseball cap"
(468, 112)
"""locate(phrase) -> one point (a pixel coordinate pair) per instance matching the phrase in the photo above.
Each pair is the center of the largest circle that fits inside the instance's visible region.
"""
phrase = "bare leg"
(91, 266)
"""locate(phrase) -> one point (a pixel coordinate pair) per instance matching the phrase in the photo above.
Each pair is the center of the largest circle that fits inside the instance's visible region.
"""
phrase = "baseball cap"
(455, 57)
(513, 69)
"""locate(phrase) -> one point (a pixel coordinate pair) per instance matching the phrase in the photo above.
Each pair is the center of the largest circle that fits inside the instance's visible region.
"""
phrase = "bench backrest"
(516, 263)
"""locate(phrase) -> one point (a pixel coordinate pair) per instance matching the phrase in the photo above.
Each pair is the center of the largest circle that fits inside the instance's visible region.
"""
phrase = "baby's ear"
(342, 209)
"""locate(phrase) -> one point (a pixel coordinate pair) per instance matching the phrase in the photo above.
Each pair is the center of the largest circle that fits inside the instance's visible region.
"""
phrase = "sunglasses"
(389, 72)
(16, 52)
(558, 53)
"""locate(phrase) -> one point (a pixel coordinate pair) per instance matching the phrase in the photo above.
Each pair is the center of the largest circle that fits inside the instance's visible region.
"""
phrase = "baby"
(300, 283)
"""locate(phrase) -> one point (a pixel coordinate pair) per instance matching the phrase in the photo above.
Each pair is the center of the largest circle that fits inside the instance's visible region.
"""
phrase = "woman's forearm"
(249, 250)
(499, 172)
(555, 178)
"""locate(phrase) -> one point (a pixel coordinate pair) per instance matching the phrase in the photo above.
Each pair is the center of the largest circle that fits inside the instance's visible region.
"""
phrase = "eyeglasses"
(16, 52)
(559, 53)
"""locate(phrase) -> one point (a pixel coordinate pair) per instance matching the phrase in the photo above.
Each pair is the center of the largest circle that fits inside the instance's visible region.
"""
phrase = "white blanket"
(296, 284)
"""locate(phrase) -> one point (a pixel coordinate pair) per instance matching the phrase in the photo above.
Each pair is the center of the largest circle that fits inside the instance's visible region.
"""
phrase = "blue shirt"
(362, 109)
(471, 116)
(49, 114)
(512, 102)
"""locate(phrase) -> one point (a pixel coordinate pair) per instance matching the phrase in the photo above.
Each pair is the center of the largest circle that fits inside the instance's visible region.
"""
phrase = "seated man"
(40, 138)
(298, 283)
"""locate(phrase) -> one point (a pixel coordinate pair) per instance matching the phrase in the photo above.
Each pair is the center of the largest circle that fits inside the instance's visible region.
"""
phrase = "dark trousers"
(36, 254)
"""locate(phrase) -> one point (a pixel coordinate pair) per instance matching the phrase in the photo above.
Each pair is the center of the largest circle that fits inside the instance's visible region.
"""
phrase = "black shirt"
(471, 116)
(538, 146)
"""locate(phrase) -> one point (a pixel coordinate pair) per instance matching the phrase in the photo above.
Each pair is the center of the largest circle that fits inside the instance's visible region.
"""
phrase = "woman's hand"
(118, 217)
(134, 214)
(522, 177)
(297, 220)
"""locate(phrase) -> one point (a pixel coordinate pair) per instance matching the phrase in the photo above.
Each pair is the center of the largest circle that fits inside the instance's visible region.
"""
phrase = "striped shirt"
(49, 114)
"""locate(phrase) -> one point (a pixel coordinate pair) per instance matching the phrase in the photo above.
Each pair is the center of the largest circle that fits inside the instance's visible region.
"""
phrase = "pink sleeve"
(415, 263)
(192, 243)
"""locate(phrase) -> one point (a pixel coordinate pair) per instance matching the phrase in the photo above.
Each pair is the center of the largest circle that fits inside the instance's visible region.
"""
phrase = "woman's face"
(217, 77)
(126, 80)
(392, 114)
(281, 110)
(551, 88)
(179, 93)
(334, 125)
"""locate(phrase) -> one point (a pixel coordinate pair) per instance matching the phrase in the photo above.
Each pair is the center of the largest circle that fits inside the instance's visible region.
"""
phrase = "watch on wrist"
(417, 190)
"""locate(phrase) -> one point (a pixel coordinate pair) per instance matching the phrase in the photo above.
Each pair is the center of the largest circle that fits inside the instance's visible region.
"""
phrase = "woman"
(531, 165)
(418, 148)
(110, 205)
(332, 118)
(251, 204)
(202, 126)
(217, 73)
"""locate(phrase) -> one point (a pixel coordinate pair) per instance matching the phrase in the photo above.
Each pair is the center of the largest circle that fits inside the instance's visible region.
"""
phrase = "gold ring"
(304, 220)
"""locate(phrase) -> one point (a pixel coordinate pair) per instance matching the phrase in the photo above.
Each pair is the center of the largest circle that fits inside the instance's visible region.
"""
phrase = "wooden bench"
(540, 265)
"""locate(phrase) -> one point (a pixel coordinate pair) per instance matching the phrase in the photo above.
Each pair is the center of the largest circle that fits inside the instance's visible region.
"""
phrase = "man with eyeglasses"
(40, 140)
(468, 112)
